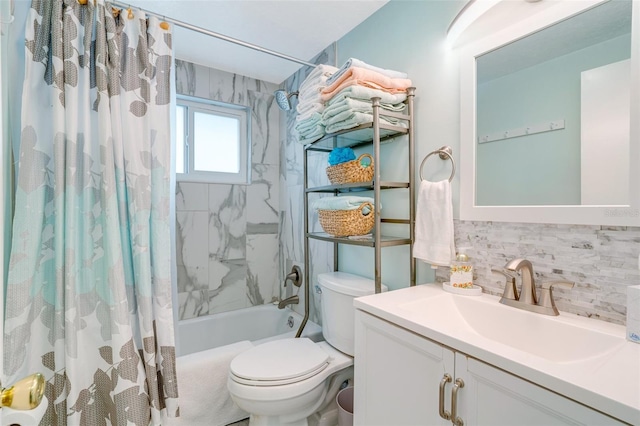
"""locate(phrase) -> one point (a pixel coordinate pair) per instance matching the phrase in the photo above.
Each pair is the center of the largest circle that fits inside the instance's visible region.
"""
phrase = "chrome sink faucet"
(527, 298)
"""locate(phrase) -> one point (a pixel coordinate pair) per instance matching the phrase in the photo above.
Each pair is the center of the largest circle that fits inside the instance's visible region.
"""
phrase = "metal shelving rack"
(374, 134)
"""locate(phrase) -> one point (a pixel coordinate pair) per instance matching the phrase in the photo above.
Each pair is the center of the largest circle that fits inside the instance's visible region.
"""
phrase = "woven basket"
(351, 171)
(343, 223)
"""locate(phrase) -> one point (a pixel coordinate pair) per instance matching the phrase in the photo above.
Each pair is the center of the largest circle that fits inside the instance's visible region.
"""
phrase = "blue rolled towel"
(341, 155)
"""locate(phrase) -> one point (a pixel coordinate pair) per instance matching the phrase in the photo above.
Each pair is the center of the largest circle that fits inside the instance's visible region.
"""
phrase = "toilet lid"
(279, 362)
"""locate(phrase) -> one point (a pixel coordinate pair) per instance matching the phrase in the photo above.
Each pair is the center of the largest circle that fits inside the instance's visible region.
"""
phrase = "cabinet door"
(494, 397)
(397, 375)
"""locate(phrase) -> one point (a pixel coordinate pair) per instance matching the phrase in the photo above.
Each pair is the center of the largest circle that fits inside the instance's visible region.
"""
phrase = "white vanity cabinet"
(398, 374)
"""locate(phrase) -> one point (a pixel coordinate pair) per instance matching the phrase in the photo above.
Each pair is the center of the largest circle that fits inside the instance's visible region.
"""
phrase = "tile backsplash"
(227, 235)
(601, 260)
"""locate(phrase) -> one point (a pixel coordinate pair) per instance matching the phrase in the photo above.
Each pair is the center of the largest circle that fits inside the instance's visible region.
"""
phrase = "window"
(212, 141)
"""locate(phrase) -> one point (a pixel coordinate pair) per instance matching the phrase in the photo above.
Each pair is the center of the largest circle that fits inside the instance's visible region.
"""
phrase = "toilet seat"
(280, 362)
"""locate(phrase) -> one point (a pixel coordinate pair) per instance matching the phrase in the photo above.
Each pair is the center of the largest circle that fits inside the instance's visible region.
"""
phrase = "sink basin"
(557, 339)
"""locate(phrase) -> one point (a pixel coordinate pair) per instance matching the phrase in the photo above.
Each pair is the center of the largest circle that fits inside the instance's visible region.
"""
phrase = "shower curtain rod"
(216, 35)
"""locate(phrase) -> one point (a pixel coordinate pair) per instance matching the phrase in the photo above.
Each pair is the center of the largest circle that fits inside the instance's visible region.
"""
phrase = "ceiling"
(300, 28)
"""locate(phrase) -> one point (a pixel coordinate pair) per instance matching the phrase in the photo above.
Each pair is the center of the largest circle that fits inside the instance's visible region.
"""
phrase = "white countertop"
(609, 383)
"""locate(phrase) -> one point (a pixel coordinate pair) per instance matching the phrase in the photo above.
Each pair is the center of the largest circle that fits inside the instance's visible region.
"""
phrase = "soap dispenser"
(461, 270)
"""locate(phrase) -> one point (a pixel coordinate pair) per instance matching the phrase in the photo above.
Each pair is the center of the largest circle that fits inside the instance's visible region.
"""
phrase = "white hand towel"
(202, 387)
(434, 242)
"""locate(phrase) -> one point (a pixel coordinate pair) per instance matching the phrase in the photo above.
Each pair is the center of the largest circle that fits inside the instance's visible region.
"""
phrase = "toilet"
(295, 381)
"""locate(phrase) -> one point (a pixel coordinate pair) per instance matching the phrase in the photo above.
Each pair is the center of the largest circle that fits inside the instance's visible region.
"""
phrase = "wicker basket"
(351, 171)
(343, 223)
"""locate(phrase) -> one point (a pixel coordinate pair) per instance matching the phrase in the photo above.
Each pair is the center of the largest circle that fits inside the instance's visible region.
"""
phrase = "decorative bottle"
(461, 271)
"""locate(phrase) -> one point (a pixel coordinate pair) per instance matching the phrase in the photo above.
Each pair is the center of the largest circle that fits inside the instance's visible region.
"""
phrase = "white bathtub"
(257, 324)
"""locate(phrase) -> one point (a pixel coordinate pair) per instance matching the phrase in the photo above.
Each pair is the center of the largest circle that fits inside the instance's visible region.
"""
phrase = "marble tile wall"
(601, 260)
(227, 235)
(291, 194)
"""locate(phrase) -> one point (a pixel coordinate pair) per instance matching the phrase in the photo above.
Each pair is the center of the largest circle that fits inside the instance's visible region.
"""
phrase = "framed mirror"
(547, 134)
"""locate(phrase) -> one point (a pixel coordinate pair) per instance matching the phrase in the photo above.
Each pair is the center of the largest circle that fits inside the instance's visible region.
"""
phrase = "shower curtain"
(89, 283)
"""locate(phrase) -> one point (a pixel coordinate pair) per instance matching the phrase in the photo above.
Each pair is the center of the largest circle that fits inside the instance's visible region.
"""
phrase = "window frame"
(194, 104)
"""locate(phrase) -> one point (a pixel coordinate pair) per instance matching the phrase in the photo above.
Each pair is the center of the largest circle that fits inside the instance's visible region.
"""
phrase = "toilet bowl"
(291, 381)
(305, 377)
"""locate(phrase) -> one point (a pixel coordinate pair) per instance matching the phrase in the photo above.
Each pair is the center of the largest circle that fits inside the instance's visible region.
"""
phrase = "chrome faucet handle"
(510, 289)
(546, 294)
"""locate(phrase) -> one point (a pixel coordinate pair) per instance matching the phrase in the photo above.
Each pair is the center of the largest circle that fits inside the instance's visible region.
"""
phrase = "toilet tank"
(338, 314)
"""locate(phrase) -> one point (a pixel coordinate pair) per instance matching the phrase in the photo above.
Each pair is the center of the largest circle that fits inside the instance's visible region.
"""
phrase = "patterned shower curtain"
(89, 282)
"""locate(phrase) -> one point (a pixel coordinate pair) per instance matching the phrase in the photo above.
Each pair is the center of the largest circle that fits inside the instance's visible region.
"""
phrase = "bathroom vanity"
(425, 356)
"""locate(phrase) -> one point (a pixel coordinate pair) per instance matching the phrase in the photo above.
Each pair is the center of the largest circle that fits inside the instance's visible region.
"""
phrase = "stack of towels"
(333, 99)
(348, 94)
(309, 123)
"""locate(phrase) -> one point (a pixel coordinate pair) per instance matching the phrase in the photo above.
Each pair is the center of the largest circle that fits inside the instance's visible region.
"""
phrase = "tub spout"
(293, 300)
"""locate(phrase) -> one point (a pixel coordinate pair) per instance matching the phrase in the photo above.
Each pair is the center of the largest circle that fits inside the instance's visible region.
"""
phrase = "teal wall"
(409, 36)
(546, 164)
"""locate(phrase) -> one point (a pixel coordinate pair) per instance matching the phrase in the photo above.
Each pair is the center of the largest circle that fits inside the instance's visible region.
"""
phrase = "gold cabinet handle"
(444, 414)
(457, 421)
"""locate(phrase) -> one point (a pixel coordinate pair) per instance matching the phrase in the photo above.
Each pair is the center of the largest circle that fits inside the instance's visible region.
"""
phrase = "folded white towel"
(353, 62)
(315, 81)
(350, 119)
(304, 108)
(202, 386)
(307, 110)
(311, 134)
(314, 119)
(320, 71)
(356, 105)
(366, 93)
(345, 202)
(434, 240)
(311, 93)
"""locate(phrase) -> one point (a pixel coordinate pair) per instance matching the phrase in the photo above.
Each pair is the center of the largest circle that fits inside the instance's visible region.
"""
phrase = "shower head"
(282, 99)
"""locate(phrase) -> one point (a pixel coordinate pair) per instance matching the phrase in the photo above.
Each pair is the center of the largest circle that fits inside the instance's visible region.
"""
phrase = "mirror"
(545, 118)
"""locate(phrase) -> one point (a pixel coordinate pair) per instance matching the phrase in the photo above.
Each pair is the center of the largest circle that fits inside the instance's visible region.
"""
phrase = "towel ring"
(444, 153)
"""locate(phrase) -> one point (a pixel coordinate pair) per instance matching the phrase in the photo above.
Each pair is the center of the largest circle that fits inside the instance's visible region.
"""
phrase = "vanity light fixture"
(467, 15)
(471, 11)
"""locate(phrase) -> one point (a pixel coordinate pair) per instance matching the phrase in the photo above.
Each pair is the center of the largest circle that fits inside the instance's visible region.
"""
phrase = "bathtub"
(258, 324)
